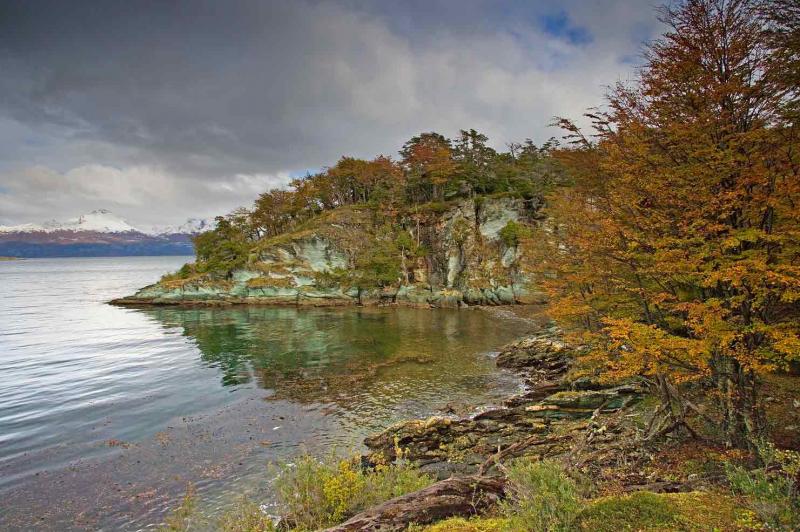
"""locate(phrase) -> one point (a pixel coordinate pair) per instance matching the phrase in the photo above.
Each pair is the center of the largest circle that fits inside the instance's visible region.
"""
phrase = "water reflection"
(106, 413)
(336, 355)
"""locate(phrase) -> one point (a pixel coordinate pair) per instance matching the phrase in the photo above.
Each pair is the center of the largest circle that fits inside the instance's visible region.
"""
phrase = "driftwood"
(460, 496)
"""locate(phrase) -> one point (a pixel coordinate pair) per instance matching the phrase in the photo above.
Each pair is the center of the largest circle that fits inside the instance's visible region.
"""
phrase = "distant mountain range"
(98, 234)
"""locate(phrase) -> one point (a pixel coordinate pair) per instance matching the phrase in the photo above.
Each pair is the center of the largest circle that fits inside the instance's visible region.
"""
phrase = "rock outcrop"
(466, 261)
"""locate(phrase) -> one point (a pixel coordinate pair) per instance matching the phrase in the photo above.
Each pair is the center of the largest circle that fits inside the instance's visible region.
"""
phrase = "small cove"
(106, 414)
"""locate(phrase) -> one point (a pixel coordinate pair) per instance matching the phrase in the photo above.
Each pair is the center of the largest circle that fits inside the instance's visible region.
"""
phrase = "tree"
(677, 247)
(429, 165)
(274, 212)
(226, 247)
(782, 18)
(475, 161)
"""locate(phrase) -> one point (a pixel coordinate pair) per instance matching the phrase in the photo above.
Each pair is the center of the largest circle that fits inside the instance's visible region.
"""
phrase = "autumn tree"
(782, 19)
(677, 247)
(428, 162)
(274, 212)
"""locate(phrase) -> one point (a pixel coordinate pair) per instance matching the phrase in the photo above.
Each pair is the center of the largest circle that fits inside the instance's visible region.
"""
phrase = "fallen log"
(460, 496)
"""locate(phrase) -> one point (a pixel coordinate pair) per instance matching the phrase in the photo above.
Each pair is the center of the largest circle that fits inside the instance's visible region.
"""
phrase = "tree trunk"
(737, 390)
(447, 498)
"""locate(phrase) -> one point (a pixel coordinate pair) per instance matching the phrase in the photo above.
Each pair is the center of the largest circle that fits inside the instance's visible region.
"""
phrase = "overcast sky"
(164, 110)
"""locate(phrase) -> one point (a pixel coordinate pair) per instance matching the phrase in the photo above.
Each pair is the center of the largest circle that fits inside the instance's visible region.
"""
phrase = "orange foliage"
(678, 246)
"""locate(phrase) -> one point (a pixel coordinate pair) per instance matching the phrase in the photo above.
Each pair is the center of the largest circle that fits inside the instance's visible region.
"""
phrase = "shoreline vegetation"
(663, 395)
(6, 259)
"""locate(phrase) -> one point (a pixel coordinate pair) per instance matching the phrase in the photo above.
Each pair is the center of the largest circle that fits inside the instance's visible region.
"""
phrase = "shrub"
(543, 497)
(772, 496)
(513, 232)
(315, 494)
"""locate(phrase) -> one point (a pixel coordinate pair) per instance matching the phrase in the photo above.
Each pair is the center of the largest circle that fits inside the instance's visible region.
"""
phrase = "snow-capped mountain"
(104, 221)
(192, 226)
(98, 233)
(100, 221)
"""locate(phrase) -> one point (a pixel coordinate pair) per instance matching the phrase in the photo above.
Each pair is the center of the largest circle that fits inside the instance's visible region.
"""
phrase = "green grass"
(771, 491)
(543, 497)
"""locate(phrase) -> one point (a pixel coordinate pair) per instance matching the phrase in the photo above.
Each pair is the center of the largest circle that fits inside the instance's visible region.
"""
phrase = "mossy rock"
(645, 511)
(610, 399)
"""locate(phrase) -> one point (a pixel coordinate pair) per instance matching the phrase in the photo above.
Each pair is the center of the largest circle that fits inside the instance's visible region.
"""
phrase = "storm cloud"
(164, 110)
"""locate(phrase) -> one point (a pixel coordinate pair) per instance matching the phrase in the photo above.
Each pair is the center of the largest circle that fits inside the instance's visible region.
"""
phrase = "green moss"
(645, 511)
(459, 524)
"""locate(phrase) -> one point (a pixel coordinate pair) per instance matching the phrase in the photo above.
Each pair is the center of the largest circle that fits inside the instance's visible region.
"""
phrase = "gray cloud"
(163, 110)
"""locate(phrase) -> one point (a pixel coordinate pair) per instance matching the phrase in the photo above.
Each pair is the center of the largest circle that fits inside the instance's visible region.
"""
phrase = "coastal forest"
(657, 237)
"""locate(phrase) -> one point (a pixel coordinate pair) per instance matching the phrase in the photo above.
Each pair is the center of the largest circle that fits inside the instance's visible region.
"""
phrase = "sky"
(160, 111)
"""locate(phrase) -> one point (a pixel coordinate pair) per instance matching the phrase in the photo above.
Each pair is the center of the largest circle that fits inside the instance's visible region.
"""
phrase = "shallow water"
(107, 413)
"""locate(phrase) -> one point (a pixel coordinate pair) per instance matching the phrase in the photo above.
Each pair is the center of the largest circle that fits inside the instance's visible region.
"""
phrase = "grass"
(245, 516)
(543, 496)
(771, 491)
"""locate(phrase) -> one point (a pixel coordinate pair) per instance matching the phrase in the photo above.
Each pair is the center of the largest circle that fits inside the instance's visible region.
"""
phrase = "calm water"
(107, 413)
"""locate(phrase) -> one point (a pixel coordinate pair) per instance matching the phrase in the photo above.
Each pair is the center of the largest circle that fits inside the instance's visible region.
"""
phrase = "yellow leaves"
(786, 343)
(341, 488)
(633, 348)
(790, 296)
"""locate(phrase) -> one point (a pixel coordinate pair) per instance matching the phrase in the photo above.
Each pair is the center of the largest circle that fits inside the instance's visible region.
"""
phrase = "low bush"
(772, 490)
(513, 232)
(543, 497)
(315, 494)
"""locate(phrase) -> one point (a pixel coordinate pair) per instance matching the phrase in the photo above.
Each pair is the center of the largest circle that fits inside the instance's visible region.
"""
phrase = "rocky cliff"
(464, 253)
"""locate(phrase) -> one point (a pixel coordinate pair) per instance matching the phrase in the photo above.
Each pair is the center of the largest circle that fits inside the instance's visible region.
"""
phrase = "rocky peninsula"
(467, 254)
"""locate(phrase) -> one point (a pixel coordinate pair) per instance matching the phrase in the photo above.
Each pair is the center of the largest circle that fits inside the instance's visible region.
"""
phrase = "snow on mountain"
(100, 221)
(190, 227)
(103, 221)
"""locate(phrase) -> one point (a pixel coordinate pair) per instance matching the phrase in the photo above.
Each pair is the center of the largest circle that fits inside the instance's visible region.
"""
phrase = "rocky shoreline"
(559, 415)
(404, 296)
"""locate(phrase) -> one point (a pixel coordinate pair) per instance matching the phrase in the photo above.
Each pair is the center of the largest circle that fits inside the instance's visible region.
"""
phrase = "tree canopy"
(678, 243)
